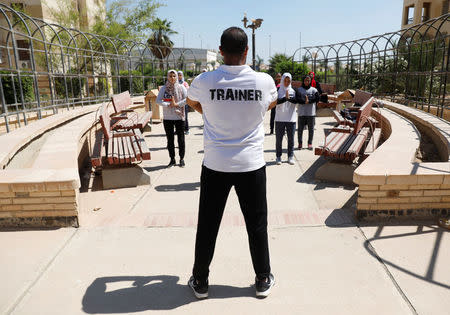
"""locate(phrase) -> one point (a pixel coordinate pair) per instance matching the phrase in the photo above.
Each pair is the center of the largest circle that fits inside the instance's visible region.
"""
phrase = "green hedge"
(8, 91)
(74, 87)
(136, 82)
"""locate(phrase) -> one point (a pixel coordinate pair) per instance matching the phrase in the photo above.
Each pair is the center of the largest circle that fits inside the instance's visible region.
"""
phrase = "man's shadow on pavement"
(162, 292)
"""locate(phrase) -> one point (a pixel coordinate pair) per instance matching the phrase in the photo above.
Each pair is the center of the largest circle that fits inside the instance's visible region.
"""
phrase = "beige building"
(418, 11)
(87, 9)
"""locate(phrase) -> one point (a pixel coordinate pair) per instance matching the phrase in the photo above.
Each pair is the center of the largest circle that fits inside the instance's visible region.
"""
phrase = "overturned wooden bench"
(117, 153)
(329, 90)
(345, 142)
(360, 98)
(124, 117)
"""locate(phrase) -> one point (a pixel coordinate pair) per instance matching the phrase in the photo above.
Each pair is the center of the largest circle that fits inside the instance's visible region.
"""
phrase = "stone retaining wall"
(52, 194)
(392, 184)
(46, 194)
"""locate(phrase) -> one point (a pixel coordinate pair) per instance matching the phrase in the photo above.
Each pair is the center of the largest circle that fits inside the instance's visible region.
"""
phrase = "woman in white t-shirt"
(285, 117)
(172, 97)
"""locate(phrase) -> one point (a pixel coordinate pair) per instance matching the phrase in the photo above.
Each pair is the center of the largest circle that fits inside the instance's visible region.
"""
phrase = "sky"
(200, 23)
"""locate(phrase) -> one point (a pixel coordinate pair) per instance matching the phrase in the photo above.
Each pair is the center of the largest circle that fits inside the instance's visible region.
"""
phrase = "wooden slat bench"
(345, 143)
(125, 118)
(117, 147)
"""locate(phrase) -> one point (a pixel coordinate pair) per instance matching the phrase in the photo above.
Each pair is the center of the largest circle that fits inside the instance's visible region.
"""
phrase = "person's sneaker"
(291, 160)
(278, 161)
(182, 164)
(310, 147)
(299, 146)
(200, 289)
(171, 163)
(186, 132)
(264, 286)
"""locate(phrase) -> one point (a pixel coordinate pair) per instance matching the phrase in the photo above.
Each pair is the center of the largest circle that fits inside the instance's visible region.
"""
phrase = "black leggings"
(251, 191)
(171, 127)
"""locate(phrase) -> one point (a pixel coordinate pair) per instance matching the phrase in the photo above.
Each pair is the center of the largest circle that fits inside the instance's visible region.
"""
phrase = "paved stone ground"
(134, 254)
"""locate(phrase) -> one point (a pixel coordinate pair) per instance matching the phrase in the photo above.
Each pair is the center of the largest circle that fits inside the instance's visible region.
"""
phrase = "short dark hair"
(233, 41)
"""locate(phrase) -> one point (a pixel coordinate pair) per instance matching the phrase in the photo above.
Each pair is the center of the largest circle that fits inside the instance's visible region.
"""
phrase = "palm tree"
(259, 62)
(159, 41)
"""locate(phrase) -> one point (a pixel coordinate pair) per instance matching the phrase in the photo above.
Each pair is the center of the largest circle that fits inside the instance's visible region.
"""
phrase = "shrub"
(136, 86)
(8, 90)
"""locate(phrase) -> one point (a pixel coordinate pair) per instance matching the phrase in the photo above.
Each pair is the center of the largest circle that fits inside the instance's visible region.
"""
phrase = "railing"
(410, 66)
(45, 67)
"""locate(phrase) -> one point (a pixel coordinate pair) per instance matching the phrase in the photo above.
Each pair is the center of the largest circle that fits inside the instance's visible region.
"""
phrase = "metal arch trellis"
(410, 66)
(45, 67)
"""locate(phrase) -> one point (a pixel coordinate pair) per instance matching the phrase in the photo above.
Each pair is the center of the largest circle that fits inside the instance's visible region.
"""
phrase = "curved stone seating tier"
(46, 193)
(391, 182)
(436, 128)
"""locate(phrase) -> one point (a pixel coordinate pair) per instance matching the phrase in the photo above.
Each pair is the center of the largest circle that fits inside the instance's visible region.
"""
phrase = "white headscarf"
(182, 77)
(282, 90)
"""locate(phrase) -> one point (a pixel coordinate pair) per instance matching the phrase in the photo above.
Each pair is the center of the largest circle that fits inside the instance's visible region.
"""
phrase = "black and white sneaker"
(200, 288)
(182, 164)
(264, 286)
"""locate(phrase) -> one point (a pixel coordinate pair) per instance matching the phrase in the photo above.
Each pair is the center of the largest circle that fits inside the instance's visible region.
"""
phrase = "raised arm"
(315, 97)
(159, 99)
(195, 105)
(299, 97)
(272, 105)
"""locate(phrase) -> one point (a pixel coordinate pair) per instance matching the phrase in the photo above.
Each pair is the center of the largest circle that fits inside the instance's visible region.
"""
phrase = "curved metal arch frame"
(76, 68)
(384, 64)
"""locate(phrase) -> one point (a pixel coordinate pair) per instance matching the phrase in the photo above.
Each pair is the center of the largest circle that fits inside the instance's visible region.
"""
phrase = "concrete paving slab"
(419, 259)
(129, 270)
(24, 257)
(174, 193)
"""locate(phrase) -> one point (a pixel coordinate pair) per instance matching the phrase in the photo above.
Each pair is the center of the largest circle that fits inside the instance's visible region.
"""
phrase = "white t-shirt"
(286, 112)
(234, 100)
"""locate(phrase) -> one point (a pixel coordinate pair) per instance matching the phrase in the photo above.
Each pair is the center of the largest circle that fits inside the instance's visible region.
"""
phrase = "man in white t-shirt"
(233, 100)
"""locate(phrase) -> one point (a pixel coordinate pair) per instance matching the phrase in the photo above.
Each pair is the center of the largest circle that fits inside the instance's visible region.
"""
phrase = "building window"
(409, 15)
(23, 47)
(445, 7)
(426, 11)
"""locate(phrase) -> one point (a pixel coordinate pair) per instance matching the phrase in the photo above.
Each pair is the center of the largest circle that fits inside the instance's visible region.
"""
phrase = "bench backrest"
(105, 121)
(361, 97)
(328, 88)
(363, 114)
(121, 101)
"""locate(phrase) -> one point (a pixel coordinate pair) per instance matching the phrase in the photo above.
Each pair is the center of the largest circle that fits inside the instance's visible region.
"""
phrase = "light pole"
(255, 24)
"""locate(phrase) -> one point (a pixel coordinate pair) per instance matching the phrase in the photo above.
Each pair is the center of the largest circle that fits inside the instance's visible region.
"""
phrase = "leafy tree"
(124, 20)
(281, 63)
(159, 40)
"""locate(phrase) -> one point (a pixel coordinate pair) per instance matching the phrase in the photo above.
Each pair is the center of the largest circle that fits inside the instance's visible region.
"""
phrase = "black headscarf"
(303, 82)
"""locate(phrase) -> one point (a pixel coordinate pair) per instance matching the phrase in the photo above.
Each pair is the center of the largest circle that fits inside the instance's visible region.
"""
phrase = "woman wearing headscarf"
(172, 97)
(307, 96)
(186, 107)
(285, 117)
